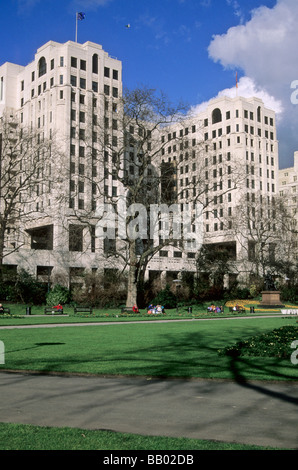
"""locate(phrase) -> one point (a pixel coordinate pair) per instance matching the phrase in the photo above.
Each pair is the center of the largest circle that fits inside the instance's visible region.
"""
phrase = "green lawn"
(27, 437)
(18, 314)
(173, 349)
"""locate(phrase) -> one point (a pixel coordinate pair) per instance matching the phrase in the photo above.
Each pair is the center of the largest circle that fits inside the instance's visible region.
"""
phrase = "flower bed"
(276, 343)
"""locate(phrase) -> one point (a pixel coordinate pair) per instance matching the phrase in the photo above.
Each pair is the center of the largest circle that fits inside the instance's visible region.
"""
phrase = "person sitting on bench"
(58, 307)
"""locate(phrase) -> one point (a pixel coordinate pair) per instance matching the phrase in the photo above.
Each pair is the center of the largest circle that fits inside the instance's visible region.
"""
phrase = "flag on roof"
(81, 15)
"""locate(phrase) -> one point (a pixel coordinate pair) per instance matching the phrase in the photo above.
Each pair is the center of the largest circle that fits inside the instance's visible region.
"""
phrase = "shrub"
(289, 293)
(58, 295)
(166, 298)
(101, 289)
(275, 343)
(240, 293)
(26, 289)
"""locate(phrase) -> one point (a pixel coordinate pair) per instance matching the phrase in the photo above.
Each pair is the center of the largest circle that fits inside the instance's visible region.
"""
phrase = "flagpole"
(236, 84)
(76, 26)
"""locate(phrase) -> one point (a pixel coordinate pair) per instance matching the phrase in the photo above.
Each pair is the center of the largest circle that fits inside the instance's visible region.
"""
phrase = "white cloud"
(246, 88)
(265, 48)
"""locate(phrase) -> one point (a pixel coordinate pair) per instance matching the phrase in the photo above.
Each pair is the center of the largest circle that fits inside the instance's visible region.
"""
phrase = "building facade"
(70, 94)
(288, 191)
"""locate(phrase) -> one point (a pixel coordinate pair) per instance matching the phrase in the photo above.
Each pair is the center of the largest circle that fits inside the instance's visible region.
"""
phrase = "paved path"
(260, 413)
(252, 413)
(157, 321)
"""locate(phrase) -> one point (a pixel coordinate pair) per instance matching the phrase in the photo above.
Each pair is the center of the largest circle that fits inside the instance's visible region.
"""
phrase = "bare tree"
(264, 230)
(145, 156)
(24, 167)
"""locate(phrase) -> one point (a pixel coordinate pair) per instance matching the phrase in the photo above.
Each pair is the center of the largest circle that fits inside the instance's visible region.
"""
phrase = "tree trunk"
(132, 282)
(132, 290)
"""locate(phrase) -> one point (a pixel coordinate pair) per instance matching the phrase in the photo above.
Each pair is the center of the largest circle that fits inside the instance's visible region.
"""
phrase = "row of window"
(182, 132)
(247, 130)
(74, 81)
(217, 116)
(251, 170)
(74, 63)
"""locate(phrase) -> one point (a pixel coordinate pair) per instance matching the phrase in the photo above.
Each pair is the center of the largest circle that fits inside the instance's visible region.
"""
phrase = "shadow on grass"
(240, 379)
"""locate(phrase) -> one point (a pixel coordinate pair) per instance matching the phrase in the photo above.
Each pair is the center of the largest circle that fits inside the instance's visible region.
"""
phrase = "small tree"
(24, 173)
(265, 232)
(58, 295)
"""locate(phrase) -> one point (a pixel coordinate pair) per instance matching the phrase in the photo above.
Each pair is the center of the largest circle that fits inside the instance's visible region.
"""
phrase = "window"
(83, 65)
(73, 62)
(83, 83)
(42, 67)
(61, 61)
(115, 74)
(42, 237)
(95, 63)
(216, 116)
(107, 72)
(73, 80)
(95, 87)
(1, 88)
(75, 238)
(52, 64)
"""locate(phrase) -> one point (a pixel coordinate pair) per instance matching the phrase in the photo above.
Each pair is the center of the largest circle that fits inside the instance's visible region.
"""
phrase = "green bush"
(166, 298)
(240, 293)
(24, 288)
(58, 295)
(289, 293)
(275, 343)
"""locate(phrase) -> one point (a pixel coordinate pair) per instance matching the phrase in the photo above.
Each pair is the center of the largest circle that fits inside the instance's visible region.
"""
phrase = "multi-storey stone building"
(70, 93)
(288, 190)
(66, 93)
(225, 156)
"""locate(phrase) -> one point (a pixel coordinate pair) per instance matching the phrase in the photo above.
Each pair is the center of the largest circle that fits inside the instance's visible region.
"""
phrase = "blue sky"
(190, 49)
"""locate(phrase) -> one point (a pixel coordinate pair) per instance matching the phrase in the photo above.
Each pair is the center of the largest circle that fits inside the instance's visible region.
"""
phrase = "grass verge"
(28, 437)
(182, 349)
(173, 349)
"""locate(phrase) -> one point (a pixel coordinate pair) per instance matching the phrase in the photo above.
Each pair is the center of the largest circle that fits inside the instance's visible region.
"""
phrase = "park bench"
(83, 310)
(238, 310)
(128, 309)
(215, 311)
(5, 310)
(53, 311)
(289, 311)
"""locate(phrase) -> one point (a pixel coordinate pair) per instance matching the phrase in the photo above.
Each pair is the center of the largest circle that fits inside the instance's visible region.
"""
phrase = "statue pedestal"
(271, 299)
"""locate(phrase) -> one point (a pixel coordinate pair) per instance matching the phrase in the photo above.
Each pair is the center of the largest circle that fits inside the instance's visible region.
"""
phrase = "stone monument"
(270, 296)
